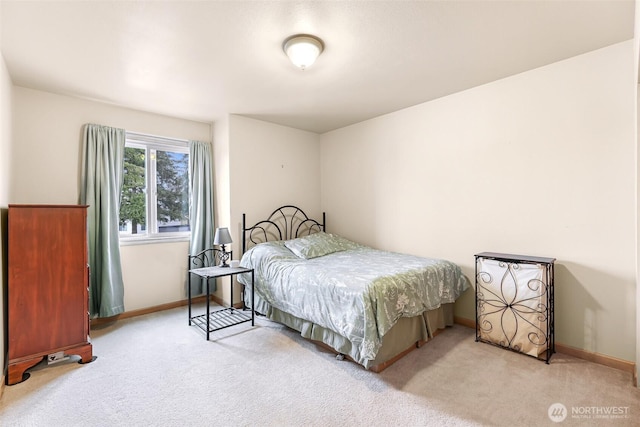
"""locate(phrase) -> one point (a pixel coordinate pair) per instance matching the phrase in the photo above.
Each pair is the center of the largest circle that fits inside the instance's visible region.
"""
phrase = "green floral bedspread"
(356, 291)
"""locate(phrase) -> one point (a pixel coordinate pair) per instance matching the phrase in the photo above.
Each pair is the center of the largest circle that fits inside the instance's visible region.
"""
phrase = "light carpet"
(155, 370)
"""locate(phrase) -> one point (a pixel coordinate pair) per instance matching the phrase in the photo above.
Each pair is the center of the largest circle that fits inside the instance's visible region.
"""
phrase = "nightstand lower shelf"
(220, 319)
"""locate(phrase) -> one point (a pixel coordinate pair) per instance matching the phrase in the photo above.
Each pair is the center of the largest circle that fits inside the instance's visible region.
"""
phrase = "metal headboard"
(286, 222)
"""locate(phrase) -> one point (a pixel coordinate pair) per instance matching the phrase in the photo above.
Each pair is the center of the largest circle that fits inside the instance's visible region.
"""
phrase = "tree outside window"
(172, 183)
(133, 203)
(155, 190)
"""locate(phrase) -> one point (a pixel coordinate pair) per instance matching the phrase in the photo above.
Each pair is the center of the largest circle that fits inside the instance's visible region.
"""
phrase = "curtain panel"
(102, 173)
(201, 209)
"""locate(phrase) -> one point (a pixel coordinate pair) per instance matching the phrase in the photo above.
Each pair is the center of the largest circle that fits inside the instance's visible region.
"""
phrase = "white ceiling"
(205, 59)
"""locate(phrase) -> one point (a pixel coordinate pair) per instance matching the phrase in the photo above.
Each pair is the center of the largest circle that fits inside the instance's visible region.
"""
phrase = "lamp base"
(224, 257)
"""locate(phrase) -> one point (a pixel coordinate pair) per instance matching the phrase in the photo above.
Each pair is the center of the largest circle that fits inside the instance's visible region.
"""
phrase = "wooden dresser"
(48, 296)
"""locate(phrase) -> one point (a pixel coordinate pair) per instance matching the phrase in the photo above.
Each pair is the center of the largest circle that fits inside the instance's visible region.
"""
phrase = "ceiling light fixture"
(303, 49)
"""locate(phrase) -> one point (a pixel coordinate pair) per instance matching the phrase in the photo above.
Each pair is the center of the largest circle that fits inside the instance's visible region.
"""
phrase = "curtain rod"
(157, 137)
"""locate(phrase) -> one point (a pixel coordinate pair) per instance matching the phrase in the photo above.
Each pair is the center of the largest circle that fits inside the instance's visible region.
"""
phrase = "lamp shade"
(222, 236)
(303, 49)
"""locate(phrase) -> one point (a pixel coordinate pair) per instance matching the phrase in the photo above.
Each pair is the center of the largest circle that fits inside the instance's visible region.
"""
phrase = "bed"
(369, 305)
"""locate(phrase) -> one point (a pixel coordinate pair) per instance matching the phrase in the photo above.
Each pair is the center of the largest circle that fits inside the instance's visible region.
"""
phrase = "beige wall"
(6, 89)
(636, 69)
(637, 136)
(270, 166)
(221, 172)
(46, 146)
(541, 163)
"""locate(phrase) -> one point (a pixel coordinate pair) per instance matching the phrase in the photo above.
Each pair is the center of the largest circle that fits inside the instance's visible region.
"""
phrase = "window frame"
(151, 144)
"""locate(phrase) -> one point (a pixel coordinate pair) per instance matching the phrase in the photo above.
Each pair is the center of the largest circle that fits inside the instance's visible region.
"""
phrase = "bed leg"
(339, 356)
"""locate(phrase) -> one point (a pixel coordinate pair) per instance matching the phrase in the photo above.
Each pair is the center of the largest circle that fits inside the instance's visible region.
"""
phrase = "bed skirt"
(406, 335)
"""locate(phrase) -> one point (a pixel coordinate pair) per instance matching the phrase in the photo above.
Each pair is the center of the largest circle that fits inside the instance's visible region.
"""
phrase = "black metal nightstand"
(225, 317)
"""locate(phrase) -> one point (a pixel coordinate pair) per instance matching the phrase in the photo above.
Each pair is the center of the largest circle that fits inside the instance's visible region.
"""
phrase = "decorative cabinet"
(514, 303)
(47, 293)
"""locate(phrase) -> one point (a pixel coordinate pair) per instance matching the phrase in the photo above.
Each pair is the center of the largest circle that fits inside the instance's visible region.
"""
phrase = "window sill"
(148, 240)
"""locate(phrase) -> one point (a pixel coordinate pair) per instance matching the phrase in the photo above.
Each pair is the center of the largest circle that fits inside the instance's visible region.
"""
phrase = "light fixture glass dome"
(303, 49)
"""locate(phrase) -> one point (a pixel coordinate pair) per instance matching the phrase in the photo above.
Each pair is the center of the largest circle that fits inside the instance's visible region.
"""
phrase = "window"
(154, 202)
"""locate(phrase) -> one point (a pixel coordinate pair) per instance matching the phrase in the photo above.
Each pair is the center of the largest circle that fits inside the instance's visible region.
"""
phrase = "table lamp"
(222, 238)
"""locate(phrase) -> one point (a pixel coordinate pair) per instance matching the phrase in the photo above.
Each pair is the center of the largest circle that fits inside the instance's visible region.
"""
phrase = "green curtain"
(102, 171)
(201, 209)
